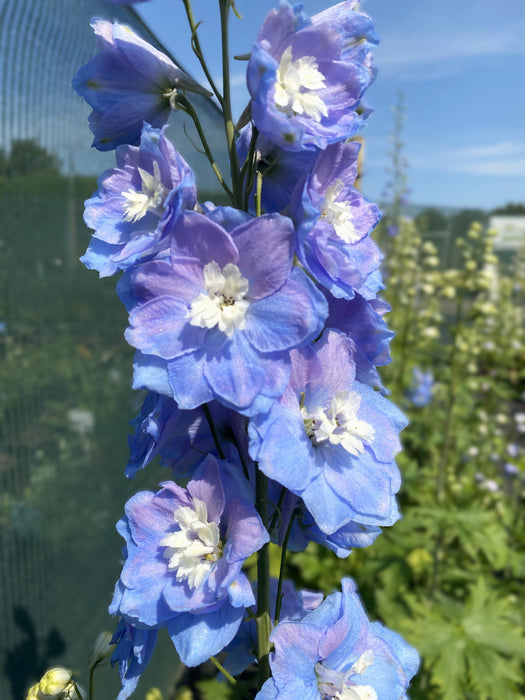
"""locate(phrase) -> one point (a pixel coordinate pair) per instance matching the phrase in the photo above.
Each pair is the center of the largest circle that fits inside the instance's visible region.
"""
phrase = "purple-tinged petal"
(301, 643)
(206, 486)
(246, 533)
(181, 280)
(200, 237)
(160, 327)
(265, 247)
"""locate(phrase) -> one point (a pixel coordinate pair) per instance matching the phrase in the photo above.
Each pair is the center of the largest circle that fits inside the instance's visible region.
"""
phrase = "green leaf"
(475, 646)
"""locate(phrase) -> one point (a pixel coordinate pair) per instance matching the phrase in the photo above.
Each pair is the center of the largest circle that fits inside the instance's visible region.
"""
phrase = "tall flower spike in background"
(258, 331)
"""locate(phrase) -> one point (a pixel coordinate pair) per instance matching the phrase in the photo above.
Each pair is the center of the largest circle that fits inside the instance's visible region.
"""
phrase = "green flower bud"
(102, 649)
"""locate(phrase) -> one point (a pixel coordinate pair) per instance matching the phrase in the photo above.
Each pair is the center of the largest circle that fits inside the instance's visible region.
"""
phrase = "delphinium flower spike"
(258, 332)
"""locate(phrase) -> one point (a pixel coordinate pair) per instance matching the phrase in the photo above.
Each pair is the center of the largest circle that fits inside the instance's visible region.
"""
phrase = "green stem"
(187, 107)
(213, 429)
(195, 43)
(278, 599)
(277, 513)
(77, 691)
(258, 193)
(91, 672)
(224, 672)
(242, 461)
(248, 168)
(263, 620)
(226, 106)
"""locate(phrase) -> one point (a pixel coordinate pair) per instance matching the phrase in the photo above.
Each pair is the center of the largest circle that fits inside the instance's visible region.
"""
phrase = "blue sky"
(460, 65)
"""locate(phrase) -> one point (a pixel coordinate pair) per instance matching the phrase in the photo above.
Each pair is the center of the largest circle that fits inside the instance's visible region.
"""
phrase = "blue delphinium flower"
(224, 310)
(134, 648)
(182, 438)
(126, 83)
(357, 29)
(304, 80)
(242, 651)
(332, 440)
(138, 203)
(184, 552)
(296, 523)
(281, 170)
(362, 321)
(333, 222)
(420, 393)
(336, 653)
(510, 470)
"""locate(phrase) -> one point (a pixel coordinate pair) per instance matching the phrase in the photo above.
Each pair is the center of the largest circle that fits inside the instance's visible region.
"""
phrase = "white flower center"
(150, 198)
(223, 303)
(339, 214)
(296, 84)
(334, 685)
(340, 424)
(192, 550)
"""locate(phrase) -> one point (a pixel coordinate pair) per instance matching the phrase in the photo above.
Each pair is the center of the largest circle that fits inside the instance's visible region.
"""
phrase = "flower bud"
(102, 648)
(32, 693)
(154, 694)
(53, 683)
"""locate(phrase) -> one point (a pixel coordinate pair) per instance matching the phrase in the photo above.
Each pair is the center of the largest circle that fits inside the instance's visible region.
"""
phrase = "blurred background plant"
(450, 575)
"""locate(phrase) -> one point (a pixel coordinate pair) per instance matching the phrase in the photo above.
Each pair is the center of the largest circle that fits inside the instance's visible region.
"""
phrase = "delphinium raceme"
(258, 330)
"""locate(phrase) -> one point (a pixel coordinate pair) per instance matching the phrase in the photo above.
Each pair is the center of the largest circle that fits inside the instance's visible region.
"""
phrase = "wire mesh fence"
(64, 369)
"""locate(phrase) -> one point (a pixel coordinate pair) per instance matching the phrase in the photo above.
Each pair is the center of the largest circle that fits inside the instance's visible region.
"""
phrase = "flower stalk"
(263, 620)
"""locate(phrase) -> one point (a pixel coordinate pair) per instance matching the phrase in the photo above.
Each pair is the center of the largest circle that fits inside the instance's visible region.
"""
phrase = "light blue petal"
(198, 637)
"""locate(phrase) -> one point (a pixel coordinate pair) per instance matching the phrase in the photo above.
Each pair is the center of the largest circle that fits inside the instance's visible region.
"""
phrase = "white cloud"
(501, 159)
(425, 52)
(491, 150)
